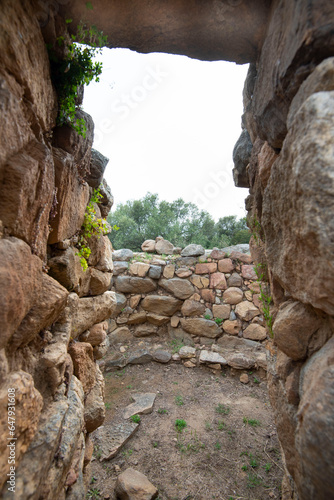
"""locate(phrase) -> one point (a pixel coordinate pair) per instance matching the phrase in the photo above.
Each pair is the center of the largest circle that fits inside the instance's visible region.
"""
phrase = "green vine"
(256, 230)
(265, 297)
(74, 69)
(92, 226)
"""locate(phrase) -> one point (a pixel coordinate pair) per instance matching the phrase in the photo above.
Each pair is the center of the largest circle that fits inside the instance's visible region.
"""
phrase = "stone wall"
(285, 156)
(197, 296)
(47, 176)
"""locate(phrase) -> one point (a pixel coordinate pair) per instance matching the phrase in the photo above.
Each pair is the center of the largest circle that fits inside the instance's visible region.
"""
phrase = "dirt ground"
(228, 449)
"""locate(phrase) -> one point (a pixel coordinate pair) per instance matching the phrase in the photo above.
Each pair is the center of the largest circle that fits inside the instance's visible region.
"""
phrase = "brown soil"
(228, 450)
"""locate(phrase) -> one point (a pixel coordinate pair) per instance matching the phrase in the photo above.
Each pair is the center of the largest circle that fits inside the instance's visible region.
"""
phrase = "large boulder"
(193, 250)
(133, 284)
(182, 289)
(161, 304)
(133, 485)
(295, 206)
(201, 327)
(98, 164)
(164, 247)
(88, 311)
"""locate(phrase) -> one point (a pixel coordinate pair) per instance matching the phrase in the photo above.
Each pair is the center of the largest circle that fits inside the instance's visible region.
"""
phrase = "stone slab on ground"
(143, 404)
(211, 357)
(109, 439)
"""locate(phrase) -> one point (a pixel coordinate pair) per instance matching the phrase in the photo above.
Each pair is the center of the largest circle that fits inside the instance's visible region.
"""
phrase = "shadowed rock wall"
(287, 161)
(52, 390)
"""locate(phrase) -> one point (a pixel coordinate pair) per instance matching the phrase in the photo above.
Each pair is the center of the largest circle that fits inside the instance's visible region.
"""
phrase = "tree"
(179, 222)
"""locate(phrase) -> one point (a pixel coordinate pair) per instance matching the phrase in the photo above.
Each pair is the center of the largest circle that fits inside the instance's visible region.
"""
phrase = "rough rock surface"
(133, 485)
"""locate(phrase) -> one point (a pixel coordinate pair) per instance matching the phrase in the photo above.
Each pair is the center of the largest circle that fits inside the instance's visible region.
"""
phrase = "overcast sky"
(168, 124)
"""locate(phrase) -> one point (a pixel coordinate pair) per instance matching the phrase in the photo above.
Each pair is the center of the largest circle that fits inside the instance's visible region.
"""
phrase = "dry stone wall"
(51, 388)
(196, 296)
(287, 162)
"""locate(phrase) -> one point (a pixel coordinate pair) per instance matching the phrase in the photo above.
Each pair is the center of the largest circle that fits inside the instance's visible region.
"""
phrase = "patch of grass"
(223, 409)
(253, 480)
(120, 373)
(129, 386)
(180, 424)
(244, 467)
(222, 426)
(253, 462)
(256, 380)
(267, 467)
(162, 411)
(251, 421)
(127, 453)
(93, 494)
(176, 345)
(107, 406)
(155, 444)
(218, 321)
(207, 316)
(218, 446)
(179, 400)
(135, 419)
(193, 444)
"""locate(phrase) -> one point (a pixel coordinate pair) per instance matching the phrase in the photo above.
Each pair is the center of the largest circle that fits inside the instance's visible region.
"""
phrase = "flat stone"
(247, 272)
(161, 304)
(169, 271)
(133, 284)
(137, 318)
(117, 360)
(235, 280)
(217, 254)
(155, 272)
(217, 280)
(240, 361)
(233, 295)
(189, 364)
(140, 357)
(192, 250)
(145, 330)
(255, 332)
(181, 289)
(232, 327)
(174, 321)
(246, 310)
(208, 295)
(192, 308)
(162, 356)
(201, 327)
(109, 439)
(142, 405)
(139, 269)
(221, 311)
(187, 352)
(124, 254)
(242, 257)
(200, 281)
(206, 268)
(225, 265)
(133, 485)
(183, 272)
(120, 266)
(244, 379)
(121, 334)
(211, 357)
(157, 319)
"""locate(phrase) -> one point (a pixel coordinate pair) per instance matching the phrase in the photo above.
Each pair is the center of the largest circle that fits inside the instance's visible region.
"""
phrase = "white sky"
(168, 124)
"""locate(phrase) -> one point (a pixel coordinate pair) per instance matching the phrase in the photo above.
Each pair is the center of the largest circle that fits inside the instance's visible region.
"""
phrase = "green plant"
(74, 69)
(180, 424)
(267, 467)
(218, 321)
(244, 467)
(253, 462)
(135, 419)
(162, 411)
(176, 345)
(155, 444)
(265, 297)
(93, 494)
(256, 380)
(207, 316)
(107, 405)
(253, 480)
(129, 386)
(92, 226)
(218, 446)
(187, 443)
(251, 421)
(222, 426)
(223, 409)
(179, 400)
(127, 453)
